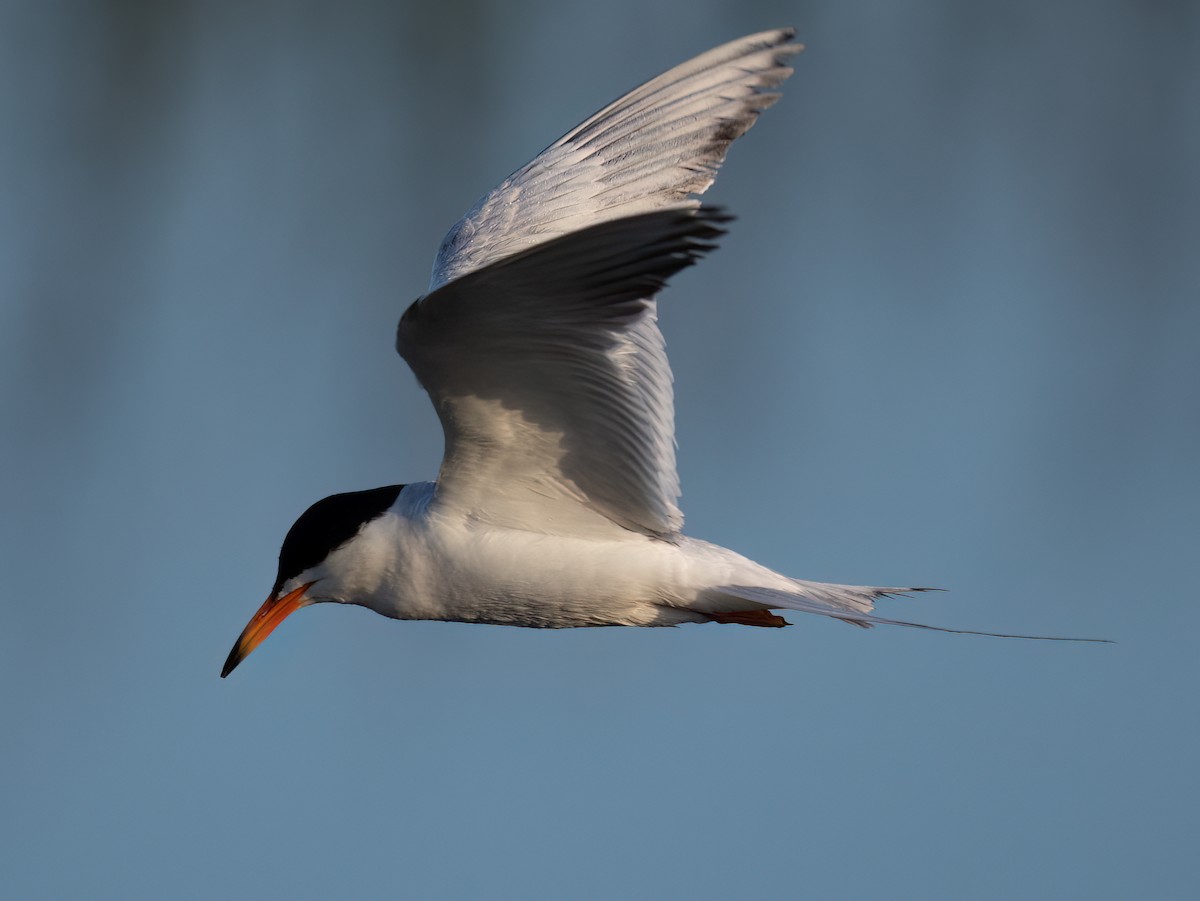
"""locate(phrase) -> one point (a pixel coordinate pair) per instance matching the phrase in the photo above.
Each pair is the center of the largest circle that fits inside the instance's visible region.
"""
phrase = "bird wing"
(538, 342)
(551, 380)
(654, 147)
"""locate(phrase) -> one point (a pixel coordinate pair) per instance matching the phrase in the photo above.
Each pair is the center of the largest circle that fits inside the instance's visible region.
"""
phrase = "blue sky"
(950, 340)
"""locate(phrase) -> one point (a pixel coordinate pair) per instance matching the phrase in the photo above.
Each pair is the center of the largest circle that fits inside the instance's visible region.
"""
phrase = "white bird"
(538, 344)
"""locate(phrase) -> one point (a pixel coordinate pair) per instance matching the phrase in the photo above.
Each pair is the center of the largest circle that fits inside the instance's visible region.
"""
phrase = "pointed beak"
(269, 615)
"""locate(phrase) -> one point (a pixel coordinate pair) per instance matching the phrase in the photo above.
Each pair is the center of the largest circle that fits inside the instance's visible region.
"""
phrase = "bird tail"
(849, 603)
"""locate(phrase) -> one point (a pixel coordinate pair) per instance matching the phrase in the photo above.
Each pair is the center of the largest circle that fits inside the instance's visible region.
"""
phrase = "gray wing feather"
(654, 147)
(551, 379)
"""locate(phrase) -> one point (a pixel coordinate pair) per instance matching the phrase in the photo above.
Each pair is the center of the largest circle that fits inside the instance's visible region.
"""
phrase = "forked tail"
(849, 603)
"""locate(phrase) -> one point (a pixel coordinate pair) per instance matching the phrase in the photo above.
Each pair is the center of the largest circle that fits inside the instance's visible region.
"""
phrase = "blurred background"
(952, 340)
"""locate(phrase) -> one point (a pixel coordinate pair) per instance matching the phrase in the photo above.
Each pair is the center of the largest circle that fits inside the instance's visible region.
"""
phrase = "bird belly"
(416, 563)
(479, 573)
(511, 577)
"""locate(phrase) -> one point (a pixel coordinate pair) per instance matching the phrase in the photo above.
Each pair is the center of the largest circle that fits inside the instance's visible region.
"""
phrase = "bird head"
(303, 576)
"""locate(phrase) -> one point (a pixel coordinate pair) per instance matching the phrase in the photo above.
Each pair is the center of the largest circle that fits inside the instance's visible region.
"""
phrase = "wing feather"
(551, 380)
(538, 342)
(653, 147)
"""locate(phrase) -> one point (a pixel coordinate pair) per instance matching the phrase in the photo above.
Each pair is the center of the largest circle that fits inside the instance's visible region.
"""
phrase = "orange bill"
(269, 615)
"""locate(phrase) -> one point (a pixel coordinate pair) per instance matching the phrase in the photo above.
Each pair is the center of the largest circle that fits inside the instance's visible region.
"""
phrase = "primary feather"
(654, 147)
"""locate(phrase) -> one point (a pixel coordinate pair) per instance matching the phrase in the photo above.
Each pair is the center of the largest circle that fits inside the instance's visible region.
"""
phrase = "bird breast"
(416, 562)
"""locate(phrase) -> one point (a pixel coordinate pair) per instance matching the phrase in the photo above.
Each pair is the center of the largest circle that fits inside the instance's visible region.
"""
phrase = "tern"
(538, 344)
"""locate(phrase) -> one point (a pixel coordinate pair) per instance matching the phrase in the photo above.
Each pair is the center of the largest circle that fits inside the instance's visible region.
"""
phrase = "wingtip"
(714, 215)
(784, 34)
(785, 39)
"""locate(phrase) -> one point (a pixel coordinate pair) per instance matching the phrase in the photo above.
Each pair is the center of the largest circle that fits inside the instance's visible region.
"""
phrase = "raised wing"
(549, 375)
(651, 148)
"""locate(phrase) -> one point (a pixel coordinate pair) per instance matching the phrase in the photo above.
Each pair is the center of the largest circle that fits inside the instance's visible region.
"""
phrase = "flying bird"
(557, 501)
